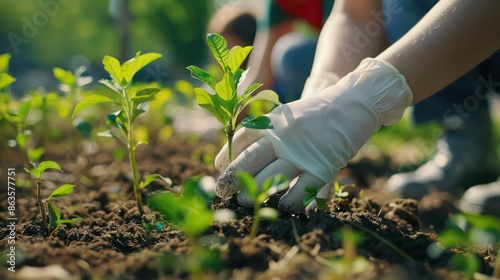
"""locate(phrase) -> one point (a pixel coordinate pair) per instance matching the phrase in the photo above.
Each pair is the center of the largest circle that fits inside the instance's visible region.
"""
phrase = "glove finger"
(292, 200)
(256, 157)
(323, 193)
(279, 166)
(242, 139)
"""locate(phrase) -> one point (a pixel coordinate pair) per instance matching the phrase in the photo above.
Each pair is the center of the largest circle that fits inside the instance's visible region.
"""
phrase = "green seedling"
(5, 78)
(17, 114)
(350, 265)
(339, 191)
(54, 213)
(464, 231)
(21, 121)
(190, 210)
(311, 195)
(259, 194)
(225, 104)
(71, 84)
(130, 102)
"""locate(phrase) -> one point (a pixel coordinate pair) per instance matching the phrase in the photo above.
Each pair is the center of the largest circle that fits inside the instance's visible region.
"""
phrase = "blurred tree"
(46, 33)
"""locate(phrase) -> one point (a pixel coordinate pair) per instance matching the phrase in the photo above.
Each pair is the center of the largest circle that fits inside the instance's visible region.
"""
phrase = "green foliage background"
(175, 28)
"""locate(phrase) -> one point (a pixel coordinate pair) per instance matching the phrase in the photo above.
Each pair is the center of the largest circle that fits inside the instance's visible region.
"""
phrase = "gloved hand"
(314, 137)
(317, 82)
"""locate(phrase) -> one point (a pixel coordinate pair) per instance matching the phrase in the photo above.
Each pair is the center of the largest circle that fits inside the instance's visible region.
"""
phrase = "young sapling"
(71, 83)
(258, 195)
(54, 213)
(225, 104)
(130, 102)
(311, 195)
(5, 78)
(189, 210)
(18, 119)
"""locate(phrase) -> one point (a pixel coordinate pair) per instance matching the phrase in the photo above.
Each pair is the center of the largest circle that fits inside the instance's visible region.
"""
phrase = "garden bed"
(392, 239)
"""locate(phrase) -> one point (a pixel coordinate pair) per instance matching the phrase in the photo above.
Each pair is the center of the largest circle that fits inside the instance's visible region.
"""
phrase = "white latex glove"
(317, 82)
(314, 137)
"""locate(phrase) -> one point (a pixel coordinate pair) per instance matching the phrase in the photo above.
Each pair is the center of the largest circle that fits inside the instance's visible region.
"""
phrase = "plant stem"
(229, 135)
(255, 224)
(133, 165)
(41, 205)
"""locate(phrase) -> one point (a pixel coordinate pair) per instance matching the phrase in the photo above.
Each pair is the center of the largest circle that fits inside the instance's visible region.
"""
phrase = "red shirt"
(309, 10)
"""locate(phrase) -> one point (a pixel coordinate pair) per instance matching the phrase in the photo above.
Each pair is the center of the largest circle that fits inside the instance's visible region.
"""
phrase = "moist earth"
(111, 242)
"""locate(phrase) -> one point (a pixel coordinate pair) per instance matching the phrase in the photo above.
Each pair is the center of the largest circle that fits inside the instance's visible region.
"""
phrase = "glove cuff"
(384, 86)
(317, 82)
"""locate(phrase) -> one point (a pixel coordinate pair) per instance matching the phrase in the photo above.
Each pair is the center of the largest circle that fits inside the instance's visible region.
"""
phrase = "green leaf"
(113, 67)
(64, 77)
(63, 190)
(132, 66)
(4, 62)
(108, 134)
(249, 90)
(151, 178)
(259, 122)
(239, 76)
(84, 127)
(275, 184)
(236, 57)
(203, 76)
(268, 213)
(115, 87)
(89, 101)
(70, 221)
(209, 103)
(136, 113)
(146, 94)
(44, 165)
(35, 154)
(21, 140)
(24, 110)
(321, 204)
(192, 190)
(267, 95)
(54, 216)
(226, 88)
(218, 46)
(118, 119)
(249, 184)
(6, 80)
(311, 193)
(203, 220)
(119, 153)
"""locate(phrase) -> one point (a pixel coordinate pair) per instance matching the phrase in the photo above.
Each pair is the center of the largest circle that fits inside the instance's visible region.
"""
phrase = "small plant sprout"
(54, 213)
(463, 232)
(339, 191)
(311, 195)
(130, 102)
(350, 265)
(190, 210)
(17, 114)
(5, 78)
(71, 83)
(225, 105)
(270, 186)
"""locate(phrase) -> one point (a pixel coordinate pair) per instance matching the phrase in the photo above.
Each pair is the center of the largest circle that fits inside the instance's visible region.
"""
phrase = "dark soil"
(111, 243)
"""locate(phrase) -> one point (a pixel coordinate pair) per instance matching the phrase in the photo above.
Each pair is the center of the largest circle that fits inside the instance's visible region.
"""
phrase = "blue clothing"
(292, 65)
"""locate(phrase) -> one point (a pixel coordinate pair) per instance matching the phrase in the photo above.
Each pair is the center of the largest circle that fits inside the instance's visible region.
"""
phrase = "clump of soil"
(111, 242)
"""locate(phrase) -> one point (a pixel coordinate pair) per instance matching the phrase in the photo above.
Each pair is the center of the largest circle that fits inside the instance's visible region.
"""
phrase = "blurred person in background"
(283, 60)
